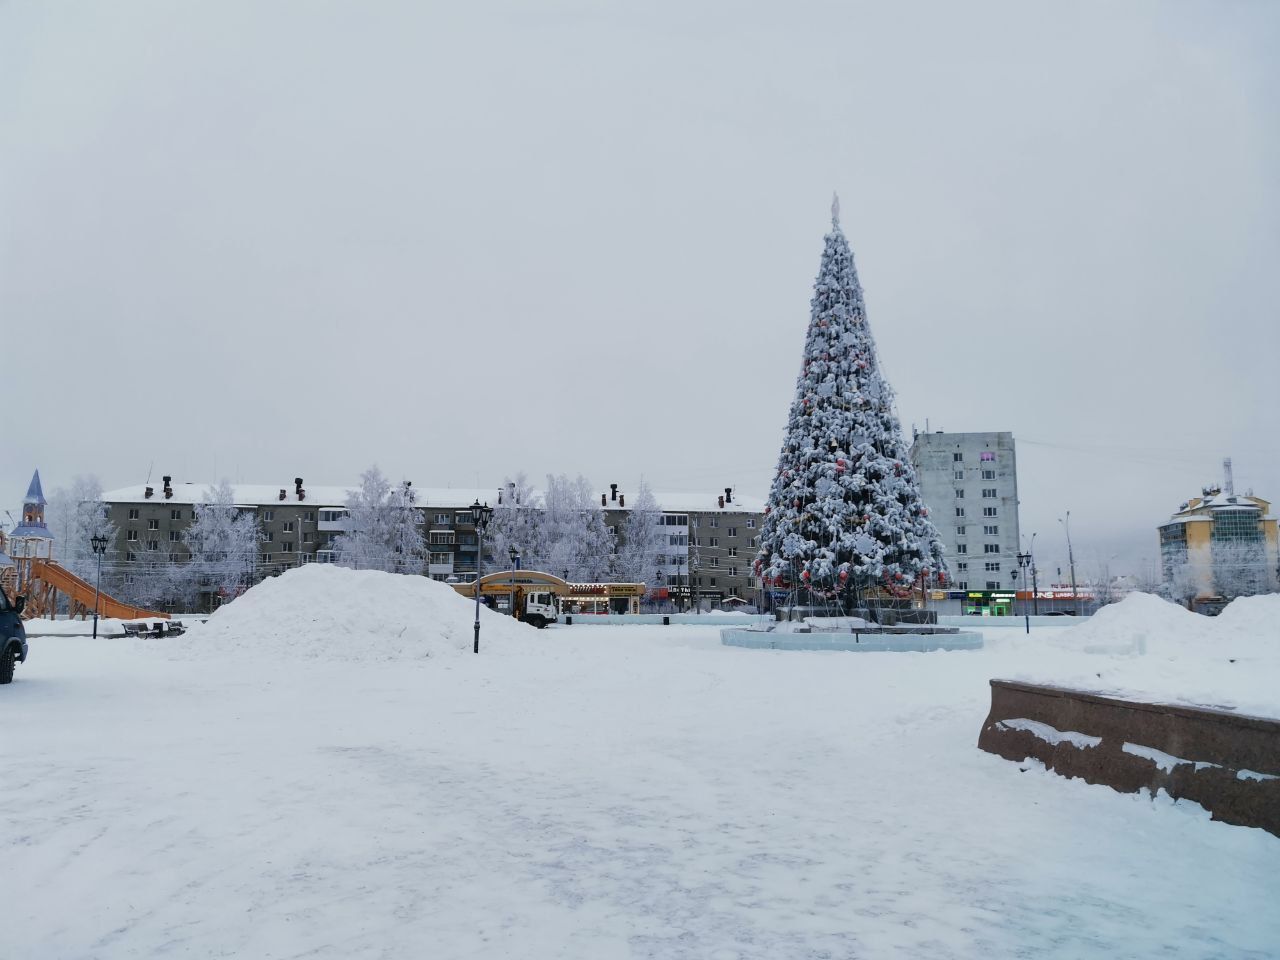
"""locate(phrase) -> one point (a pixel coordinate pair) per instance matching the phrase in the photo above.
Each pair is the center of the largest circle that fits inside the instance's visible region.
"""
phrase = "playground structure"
(28, 568)
(514, 585)
(43, 580)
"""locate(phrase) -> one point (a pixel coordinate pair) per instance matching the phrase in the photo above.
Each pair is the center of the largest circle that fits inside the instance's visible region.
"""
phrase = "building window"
(288, 526)
(960, 530)
(959, 511)
(732, 531)
(440, 537)
(711, 581)
(957, 458)
(713, 562)
(962, 566)
(130, 555)
(153, 524)
(713, 521)
(989, 493)
(958, 475)
(133, 513)
(268, 516)
(309, 516)
(991, 548)
(987, 455)
(990, 530)
(992, 566)
(733, 571)
(989, 512)
(441, 518)
(268, 537)
(440, 558)
(266, 558)
(153, 544)
(715, 542)
(175, 514)
(677, 540)
(993, 584)
(962, 548)
(174, 536)
(330, 516)
(132, 536)
(962, 584)
(287, 546)
(733, 551)
(988, 474)
(751, 524)
(959, 493)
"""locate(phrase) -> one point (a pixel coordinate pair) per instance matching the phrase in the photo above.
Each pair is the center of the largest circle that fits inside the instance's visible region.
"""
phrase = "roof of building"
(35, 493)
(266, 495)
(30, 531)
(1214, 499)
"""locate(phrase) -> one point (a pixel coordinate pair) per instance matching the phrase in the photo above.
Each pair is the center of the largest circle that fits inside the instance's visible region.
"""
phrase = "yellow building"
(1219, 546)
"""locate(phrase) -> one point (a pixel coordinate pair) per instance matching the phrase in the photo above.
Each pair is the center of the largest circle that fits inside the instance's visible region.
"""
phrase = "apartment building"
(969, 481)
(711, 538)
(1220, 545)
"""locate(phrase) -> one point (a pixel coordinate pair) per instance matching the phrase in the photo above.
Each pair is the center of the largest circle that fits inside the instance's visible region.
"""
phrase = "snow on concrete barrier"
(1229, 763)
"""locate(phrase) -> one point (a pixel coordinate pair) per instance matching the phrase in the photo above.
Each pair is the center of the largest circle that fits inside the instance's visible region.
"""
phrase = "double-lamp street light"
(99, 544)
(480, 516)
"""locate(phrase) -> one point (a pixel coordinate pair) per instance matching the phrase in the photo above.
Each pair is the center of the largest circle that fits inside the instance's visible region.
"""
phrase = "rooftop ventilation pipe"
(149, 492)
(168, 490)
(613, 491)
(297, 488)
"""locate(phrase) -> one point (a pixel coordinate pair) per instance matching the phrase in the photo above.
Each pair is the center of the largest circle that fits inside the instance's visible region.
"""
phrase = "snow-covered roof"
(35, 493)
(266, 495)
(30, 531)
(1220, 500)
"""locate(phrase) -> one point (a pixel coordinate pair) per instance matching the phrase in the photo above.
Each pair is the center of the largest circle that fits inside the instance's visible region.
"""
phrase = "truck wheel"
(7, 661)
(537, 620)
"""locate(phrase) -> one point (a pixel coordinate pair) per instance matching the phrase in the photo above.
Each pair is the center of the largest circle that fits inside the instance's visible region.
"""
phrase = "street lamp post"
(515, 558)
(1024, 561)
(480, 516)
(99, 545)
(1071, 561)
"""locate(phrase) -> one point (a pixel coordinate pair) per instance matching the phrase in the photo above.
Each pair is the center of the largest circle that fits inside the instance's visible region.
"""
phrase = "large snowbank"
(320, 610)
(1148, 648)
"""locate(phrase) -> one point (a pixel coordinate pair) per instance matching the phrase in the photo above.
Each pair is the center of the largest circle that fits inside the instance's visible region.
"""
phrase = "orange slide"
(48, 577)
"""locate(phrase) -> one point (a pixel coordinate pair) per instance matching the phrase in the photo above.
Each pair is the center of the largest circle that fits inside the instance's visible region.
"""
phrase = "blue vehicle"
(13, 635)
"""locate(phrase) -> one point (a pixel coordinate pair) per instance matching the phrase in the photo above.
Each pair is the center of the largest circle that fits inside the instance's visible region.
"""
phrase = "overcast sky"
(263, 240)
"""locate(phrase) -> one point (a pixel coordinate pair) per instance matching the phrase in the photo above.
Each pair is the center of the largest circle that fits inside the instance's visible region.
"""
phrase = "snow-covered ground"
(268, 787)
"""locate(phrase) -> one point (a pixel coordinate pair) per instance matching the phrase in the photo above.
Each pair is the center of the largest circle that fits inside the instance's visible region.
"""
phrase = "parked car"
(13, 635)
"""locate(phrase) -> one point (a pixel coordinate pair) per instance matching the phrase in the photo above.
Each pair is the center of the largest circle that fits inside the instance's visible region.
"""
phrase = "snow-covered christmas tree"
(844, 509)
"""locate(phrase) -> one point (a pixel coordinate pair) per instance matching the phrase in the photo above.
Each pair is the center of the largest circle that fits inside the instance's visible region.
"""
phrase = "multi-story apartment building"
(1219, 546)
(969, 481)
(710, 538)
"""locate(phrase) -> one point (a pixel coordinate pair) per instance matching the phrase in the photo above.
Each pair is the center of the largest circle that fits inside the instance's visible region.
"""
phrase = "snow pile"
(1133, 625)
(1146, 648)
(323, 611)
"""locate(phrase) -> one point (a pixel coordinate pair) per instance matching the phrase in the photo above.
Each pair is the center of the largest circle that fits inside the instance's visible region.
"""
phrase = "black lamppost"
(480, 516)
(99, 545)
(514, 554)
(1024, 561)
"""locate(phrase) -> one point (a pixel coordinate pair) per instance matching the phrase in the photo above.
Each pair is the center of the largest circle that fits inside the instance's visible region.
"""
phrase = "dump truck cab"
(13, 635)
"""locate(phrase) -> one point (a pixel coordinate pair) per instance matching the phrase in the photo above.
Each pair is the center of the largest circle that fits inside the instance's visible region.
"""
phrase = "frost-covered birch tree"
(517, 522)
(844, 502)
(74, 515)
(383, 527)
(223, 541)
(577, 540)
(644, 541)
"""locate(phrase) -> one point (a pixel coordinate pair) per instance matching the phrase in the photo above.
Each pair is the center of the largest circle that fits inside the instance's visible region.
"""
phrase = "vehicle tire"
(537, 620)
(7, 661)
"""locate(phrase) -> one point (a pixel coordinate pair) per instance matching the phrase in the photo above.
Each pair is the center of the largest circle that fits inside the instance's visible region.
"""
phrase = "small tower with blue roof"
(32, 538)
